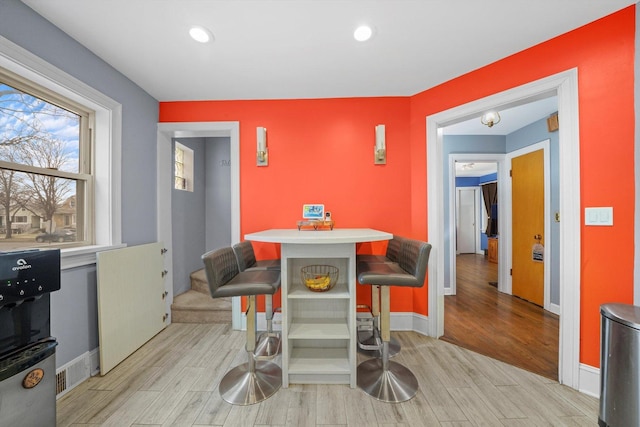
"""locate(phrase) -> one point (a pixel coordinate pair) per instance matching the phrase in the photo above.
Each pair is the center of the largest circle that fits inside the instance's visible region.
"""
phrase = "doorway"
(565, 86)
(467, 223)
(168, 131)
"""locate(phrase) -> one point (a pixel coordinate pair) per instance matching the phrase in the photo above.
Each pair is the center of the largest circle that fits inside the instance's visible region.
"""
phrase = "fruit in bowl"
(319, 278)
(318, 282)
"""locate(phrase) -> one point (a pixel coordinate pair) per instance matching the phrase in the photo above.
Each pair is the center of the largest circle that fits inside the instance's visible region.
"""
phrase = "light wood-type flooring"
(501, 326)
(173, 381)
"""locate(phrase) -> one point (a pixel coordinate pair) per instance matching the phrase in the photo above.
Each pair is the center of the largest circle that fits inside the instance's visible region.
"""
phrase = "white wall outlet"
(598, 216)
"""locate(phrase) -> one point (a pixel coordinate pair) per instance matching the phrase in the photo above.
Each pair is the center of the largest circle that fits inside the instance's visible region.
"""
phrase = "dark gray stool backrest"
(220, 267)
(245, 256)
(414, 258)
(393, 248)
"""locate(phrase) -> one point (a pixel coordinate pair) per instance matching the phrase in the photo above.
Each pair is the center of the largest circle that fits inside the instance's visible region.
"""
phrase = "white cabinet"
(318, 328)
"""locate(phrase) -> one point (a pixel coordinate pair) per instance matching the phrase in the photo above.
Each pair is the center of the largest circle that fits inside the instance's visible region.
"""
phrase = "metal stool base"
(393, 385)
(268, 346)
(394, 346)
(239, 386)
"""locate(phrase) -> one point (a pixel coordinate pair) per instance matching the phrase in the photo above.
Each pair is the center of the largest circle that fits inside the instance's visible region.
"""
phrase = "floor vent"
(61, 381)
(72, 374)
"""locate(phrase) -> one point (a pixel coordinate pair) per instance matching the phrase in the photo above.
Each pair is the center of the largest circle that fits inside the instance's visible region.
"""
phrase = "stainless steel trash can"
(619, 366)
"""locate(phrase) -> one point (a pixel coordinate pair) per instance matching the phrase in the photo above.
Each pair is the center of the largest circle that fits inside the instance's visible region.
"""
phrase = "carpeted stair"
(197, 306)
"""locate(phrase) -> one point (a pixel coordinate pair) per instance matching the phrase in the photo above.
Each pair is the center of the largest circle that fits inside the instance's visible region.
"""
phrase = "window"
(45, 173)
(183, 169)
(106, 138)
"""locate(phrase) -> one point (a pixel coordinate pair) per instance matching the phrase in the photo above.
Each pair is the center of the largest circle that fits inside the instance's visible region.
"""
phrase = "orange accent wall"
(603, 53)
(321, 151)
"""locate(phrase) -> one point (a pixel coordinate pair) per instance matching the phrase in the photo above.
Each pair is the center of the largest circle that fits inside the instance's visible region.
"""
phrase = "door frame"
(565, 86)
(166, 132)
(501, 175)
(508, 234)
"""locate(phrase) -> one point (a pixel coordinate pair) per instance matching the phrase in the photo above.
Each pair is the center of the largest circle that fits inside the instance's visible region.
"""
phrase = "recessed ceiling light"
(363, 33)
(200, 34)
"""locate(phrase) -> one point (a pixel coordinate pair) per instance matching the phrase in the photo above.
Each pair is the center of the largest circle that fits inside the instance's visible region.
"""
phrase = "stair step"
(196, 307)
(199, 282)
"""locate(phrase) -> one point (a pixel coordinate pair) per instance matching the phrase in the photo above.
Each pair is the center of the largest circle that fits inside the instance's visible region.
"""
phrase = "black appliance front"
(26, 279)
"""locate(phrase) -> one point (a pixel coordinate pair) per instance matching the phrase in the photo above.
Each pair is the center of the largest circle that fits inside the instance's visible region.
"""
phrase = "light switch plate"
(598, 216)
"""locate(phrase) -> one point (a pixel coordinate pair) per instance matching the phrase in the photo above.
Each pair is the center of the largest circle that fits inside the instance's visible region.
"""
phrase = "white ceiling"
(304, 48)
(475, 169)
(511, 119)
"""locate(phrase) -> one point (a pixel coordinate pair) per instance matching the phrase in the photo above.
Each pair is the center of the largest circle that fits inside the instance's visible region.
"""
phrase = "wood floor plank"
(99, 411)
(131, 409)
(474, 407)
(302, 410)
(242, 416)
(214, 412)
(360, 408)
(161, 408)
(331, 404)
(457, 387)
(587, 405)
(215, 370)
(501, 326)
(186, 411)
(274, 410)
(70, 410)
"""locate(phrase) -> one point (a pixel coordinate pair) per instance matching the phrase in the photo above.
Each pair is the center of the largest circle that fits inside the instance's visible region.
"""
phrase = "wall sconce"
(380, 151)
(262, 155)
(491, 118)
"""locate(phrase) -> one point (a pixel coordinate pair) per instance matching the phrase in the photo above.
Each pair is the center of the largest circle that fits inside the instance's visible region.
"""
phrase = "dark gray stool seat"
(256, 380)
(383, 379)
(369, 328)
(269, 342)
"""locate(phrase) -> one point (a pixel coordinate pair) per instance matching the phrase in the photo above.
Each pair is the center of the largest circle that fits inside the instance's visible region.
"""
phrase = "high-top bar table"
(318, 328)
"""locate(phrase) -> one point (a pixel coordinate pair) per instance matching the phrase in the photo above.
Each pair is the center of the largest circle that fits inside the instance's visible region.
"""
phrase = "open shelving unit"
(318, 327)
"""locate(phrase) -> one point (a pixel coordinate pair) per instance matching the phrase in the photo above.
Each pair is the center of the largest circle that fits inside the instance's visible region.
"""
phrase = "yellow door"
(527, 180)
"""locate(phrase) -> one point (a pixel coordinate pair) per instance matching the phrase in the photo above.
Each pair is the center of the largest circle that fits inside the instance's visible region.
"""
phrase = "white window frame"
(107, 146)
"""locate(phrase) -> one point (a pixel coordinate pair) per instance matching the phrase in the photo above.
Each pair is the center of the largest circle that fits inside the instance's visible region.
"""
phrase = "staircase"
(197, 306)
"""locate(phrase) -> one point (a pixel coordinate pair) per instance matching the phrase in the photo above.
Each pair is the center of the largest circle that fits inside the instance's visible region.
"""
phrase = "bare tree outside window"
(41, 171)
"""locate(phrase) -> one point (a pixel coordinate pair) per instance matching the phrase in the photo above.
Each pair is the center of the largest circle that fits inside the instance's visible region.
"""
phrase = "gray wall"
(201, 220)
(74, 318)
(188, 219)
(526, 136)
(459, 144)
(218, 225)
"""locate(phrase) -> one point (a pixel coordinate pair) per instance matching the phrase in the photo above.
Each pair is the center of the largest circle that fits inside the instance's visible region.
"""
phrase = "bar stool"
(269, 341)
(256, 380)
(369, 329)
(386, 380)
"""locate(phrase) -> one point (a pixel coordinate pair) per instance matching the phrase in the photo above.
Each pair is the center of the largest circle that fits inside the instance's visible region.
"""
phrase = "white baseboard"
(589, 380)
(261, 321)
(554, 308)
(400, 321)
(94, 361)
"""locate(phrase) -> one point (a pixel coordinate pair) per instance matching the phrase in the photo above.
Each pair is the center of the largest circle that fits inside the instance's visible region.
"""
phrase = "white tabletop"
(337, 235)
